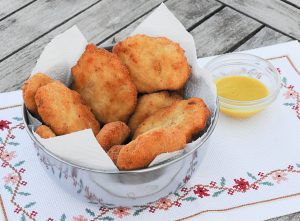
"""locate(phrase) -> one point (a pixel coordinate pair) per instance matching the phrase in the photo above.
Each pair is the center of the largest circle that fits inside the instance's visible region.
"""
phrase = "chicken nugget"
(189, 116)
(45, 132)
(154, 63)
(140, 152)
(114, 133)
(30, 87)
(149, 104)
(113, 153)
(104, 82)
(63, 110)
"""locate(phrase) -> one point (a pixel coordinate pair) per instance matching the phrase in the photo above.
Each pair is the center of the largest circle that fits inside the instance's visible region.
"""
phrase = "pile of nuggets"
(131, 92)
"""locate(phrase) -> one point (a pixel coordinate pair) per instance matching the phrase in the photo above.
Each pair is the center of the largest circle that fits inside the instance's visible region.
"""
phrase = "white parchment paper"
(62, 53)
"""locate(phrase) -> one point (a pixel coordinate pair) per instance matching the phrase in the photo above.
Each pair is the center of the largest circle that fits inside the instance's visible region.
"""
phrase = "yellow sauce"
(241, 88)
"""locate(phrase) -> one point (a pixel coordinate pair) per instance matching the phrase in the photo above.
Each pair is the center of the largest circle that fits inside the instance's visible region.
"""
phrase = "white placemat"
(251, 170)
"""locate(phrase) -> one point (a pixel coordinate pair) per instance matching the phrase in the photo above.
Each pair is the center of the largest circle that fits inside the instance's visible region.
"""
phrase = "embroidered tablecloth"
(251, 170)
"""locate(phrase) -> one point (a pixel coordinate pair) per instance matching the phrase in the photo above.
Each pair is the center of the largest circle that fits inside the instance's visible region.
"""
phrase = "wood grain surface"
(295, 3)
(7, 7)
(275, 13)
(97, 23)
(223, 31)
(29, 24)
(201, 9)
(264, 37)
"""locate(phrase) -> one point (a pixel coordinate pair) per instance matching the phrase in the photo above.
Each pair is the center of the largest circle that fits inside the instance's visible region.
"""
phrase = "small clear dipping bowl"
(240, 64)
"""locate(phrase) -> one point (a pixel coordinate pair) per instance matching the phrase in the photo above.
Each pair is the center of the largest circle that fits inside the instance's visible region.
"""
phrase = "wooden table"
(26, 26)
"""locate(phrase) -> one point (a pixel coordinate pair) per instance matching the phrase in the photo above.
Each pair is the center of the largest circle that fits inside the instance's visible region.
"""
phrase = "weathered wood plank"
(35, 20)
(97, 23)
(264, 37)
(188, 12)
(222, 31)
(290, 217)
(294, 2)
(274, 13)
(9, 6)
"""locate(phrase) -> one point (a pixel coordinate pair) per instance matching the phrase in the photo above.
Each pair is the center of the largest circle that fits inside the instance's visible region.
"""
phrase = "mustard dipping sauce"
(241, 88)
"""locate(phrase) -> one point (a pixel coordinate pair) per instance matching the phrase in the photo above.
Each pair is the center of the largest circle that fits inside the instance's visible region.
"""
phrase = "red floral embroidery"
(80, 218)
(121, 212)
(279, 176)
(7, 156)
(290, 94)
(11, 178)
(164, 203)
(230, 191)
(152, 209)
(201, 191)
(213, 183)
(261, 174)
(241, 184)
(4, 124)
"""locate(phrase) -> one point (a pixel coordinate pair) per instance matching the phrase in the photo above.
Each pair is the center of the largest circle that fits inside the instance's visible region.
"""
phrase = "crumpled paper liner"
(61, 54)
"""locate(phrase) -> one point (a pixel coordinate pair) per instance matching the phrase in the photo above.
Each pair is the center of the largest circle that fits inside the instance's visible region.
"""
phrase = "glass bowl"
(240, 64)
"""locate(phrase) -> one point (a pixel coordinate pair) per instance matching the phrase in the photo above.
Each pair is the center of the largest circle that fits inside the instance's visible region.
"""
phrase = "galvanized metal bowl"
(123, 188)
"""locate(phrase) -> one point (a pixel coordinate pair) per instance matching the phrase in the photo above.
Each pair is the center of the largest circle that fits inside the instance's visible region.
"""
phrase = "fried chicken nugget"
(189, 116)
(104, 82)
(63, 110)
(113, 153)
(154, 63)
(30, 87)
(114, 133)
(140, 152)
(148, 104)
(45, 132)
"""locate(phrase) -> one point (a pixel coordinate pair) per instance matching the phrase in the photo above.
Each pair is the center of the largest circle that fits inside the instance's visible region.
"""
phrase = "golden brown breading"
(114, 133)
(30, 87)
(45, 132)
(148, 104)
(189, 116)
(154, 63)
(140, 152)
(104, 82)
(63, 110)
(113, 153)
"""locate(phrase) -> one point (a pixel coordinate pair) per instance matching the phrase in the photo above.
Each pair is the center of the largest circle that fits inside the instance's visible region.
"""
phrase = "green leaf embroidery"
(1, 141)
(80, 186)
(191, 198)
(63, 217)
(223, 181)
(251, 175)
(298, 165)
(90, 212)
(289, 104)
(91, 202)
(23, 218)
(284, 80)
(216, 194)
(13, 143)
(176, 194)
(18, 118)
(24, 193)
(107, 218)
(29, 205)
(19, 163)
(8, 188)
(138, 211)
(267, 183)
